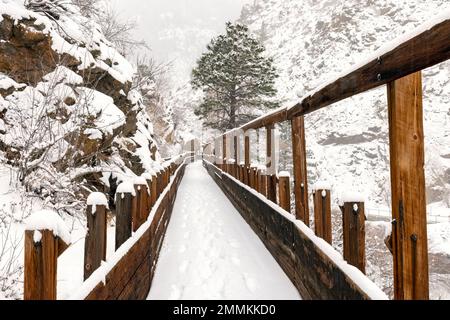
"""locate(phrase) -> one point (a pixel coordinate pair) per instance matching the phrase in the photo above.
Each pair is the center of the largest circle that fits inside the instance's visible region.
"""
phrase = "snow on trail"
(210, 252)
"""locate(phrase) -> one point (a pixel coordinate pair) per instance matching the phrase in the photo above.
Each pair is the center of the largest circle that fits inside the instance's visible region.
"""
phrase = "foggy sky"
(178, 30)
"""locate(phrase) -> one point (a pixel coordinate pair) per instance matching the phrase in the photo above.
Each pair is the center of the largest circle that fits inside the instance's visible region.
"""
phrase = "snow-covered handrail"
(424, 47)
(143, 206)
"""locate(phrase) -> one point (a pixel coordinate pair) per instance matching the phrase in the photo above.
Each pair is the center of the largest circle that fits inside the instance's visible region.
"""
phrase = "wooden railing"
(143, 210)
(399, 67)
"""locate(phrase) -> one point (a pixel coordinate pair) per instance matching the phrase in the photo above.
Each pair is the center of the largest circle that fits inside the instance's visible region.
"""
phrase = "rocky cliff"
(70, 121)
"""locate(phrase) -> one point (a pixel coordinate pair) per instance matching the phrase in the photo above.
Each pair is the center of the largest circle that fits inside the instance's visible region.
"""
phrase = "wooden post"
(247, 159)
(95, 242)
(236, 156)
(124, 208)
(354, 234)
(322, 214)
(159, 183)
(140, 210)
(271, 166)
(300, 169)
(257, 179)
(193, 150)
(409, 236)
(284, 191)
(224, 153)
(264, 181)
(154, 189)
(40, 265)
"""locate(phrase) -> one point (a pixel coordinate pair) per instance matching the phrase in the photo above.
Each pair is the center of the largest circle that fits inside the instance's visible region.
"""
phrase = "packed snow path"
(210, 252)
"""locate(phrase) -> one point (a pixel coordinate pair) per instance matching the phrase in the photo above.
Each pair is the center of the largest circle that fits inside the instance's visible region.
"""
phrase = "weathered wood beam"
(407, 159)
(422, 51)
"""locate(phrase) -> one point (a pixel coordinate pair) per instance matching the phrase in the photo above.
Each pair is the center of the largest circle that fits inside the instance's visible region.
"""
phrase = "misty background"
(179, 30)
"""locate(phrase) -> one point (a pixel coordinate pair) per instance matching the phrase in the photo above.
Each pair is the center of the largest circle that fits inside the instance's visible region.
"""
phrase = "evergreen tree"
(236, 78)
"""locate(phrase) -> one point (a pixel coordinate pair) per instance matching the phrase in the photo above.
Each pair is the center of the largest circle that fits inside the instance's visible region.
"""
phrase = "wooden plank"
(322, 214)
(124, 206)
(406, 135)
(300, 169)
(425, 50)
(95, 242)
(354, 234)
(40, 265)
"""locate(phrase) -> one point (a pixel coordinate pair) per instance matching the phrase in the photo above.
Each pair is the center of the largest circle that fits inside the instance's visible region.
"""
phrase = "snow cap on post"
(97, 199)
(125, 187)
(350, 197)
(321, 185)
(284, 174)
(141, 181)
(47, 220)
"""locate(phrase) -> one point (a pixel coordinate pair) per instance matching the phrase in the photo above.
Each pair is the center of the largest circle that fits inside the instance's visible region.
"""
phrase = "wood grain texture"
(300, 169)
(284, 193)
(322, 215)
(124, 206)
(354, 234)
(95, 241)
(406, 137)
(40, 266)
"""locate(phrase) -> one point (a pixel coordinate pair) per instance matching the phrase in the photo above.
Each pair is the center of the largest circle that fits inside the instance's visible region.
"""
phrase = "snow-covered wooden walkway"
(210, 252)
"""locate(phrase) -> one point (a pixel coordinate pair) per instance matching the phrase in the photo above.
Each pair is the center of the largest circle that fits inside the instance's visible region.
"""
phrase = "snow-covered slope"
(70, 123)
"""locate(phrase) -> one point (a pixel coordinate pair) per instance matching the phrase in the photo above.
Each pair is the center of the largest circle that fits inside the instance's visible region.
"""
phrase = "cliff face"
(311, 42)
(70, 121)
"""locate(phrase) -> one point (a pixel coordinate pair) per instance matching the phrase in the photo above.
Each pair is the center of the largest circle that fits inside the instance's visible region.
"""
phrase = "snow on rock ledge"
(97, 199)
(47, 220)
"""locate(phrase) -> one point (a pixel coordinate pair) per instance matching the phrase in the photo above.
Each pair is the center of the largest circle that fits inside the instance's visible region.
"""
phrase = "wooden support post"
(322, 214)
(159, 183)
(95, 242)
(300, 169)
(246, 159)
(284, 192)
(236, 157)
(354, 234)
(193, 150)
(257, 179)
(140, 207)
(264, 182)
(154, 189)
(124, 208)
(40, 265)
(409, 236)
(224, 153)
(271, 165)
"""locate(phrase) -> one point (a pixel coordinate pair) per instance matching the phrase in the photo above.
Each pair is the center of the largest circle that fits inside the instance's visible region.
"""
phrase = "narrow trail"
(210, 252)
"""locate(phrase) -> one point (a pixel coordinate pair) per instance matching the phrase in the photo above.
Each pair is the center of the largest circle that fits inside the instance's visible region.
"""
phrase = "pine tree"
(236, 78)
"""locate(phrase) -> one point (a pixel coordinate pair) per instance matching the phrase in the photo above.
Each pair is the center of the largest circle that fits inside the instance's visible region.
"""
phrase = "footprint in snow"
(250, 283)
